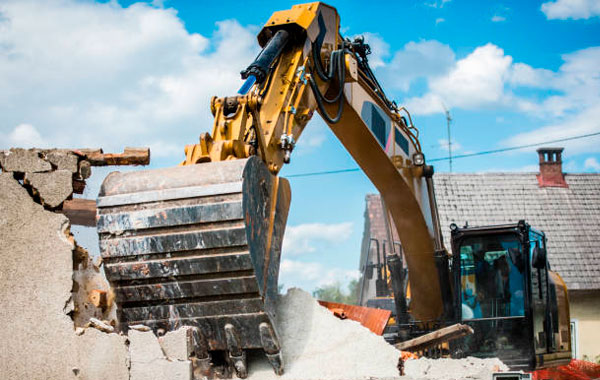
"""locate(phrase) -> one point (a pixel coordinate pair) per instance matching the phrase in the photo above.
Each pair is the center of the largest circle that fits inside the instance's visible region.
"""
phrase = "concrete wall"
(46, 288)
(585, 310)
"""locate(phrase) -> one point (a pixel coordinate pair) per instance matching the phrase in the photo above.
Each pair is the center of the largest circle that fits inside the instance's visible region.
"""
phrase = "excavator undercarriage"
(198, 246)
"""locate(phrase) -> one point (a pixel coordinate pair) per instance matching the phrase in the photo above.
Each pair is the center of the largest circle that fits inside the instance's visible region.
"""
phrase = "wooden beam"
(434, 338)
(80, 211)
(130, 156)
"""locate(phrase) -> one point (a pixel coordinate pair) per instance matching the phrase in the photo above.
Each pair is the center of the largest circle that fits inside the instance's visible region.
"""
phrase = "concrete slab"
(22, 160)
(149, 362)
(53, 187)
(63, 160)
(175, 344)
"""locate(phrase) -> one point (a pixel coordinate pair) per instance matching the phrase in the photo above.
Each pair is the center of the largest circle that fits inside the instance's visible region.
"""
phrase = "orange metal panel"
(373, 319)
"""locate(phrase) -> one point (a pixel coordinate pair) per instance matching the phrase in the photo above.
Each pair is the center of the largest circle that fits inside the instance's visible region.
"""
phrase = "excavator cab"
(505, 290)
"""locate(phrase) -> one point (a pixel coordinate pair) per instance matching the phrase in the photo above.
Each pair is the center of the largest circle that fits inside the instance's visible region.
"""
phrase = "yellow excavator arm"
(307, 66)
(200, 244)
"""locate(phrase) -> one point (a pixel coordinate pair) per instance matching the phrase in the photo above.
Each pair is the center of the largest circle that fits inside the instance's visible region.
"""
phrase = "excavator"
(199, 245)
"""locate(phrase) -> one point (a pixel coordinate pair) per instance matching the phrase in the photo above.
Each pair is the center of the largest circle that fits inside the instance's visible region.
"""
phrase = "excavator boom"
(200, 244)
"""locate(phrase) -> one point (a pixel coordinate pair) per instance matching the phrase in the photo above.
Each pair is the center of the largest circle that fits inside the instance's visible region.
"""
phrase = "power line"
(323, 173)
(312, 174)
(516, 147)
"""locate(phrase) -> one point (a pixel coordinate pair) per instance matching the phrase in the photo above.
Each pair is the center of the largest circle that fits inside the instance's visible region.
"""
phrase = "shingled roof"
(570, 217)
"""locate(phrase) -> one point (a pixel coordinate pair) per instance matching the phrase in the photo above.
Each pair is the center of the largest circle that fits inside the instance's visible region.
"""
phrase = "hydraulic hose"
(336, 65)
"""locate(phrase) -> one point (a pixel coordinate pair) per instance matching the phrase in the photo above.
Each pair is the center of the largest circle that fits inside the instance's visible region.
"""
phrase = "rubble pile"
(317, 345)
(453, 369)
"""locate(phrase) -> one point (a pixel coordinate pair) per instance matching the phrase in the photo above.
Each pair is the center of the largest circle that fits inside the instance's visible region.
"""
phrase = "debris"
(98, 298)
(130, 156)
(175, 344)
(149, 362)
(450, 369)
(434, 338)
(317, 345)
(142, 328)
(63, 160)
(85, 169)
(101, 325)
(53, 187)
(373, 319)
(22, 161)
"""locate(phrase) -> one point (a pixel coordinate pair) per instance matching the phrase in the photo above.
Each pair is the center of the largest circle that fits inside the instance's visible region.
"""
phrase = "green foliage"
(334, 293)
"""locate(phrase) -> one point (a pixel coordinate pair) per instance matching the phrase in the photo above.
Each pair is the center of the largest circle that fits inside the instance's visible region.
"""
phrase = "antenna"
(448, 121)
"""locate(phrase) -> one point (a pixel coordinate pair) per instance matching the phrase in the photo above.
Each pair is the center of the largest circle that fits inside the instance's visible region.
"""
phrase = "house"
(566, 206)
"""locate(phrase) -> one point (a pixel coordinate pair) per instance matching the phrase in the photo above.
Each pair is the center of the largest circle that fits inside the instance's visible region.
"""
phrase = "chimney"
(551, 174)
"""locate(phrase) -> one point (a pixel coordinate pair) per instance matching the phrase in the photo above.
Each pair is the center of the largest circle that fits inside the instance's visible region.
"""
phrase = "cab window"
(492, 279)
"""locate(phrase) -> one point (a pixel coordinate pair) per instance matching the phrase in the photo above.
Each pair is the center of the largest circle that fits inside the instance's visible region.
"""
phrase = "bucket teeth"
(271, 346)
(198, 246)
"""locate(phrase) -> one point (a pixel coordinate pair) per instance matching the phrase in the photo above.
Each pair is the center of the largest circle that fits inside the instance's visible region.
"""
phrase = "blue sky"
(115, 74)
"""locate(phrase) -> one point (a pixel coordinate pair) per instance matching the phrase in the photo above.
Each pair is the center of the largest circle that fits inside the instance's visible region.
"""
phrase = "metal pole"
(448, 120)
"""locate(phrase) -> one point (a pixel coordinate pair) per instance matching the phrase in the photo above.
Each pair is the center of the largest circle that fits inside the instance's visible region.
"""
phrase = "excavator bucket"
(198, 246)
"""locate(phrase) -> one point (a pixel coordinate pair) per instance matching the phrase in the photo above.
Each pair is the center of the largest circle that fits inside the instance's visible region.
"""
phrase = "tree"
(334, 293)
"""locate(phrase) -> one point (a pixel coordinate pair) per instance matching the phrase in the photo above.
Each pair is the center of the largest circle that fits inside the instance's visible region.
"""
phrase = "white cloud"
(102, 75)
(592, 163)
(488, 78)
(573, 9)
(304, 238)
(584, 123)
(475, 81)
(439, 20)
(416, 60)
(310, 275)
(437, 3)
(498, 18)
(380, 49)
(26, 136)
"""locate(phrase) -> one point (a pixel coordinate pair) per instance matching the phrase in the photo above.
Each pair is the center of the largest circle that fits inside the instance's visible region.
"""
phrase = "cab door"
(549, 306)
(539, 294)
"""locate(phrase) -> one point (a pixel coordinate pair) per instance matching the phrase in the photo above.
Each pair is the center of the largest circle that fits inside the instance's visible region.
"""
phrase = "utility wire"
(456, 156)
(516, 147)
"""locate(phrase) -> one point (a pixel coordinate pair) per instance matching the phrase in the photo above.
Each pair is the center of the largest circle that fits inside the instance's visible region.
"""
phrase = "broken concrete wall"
(50, 177)
(39, 261)
(36, 263)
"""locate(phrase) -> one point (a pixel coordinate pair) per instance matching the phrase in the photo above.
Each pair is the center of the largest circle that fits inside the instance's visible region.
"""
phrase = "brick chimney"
(551, 174)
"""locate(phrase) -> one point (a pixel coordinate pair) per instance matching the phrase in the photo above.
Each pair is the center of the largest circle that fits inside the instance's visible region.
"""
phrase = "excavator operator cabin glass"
(492, 282)
(492, 296)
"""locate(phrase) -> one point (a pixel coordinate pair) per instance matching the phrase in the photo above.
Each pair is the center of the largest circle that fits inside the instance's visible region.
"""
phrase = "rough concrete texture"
(175, 344)
(148, 360)
(63, 160)
(53, 187)
(451, 369)
(21, 160)
(101, 356)
(38, 340)
(92, 295)
(317, 345)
